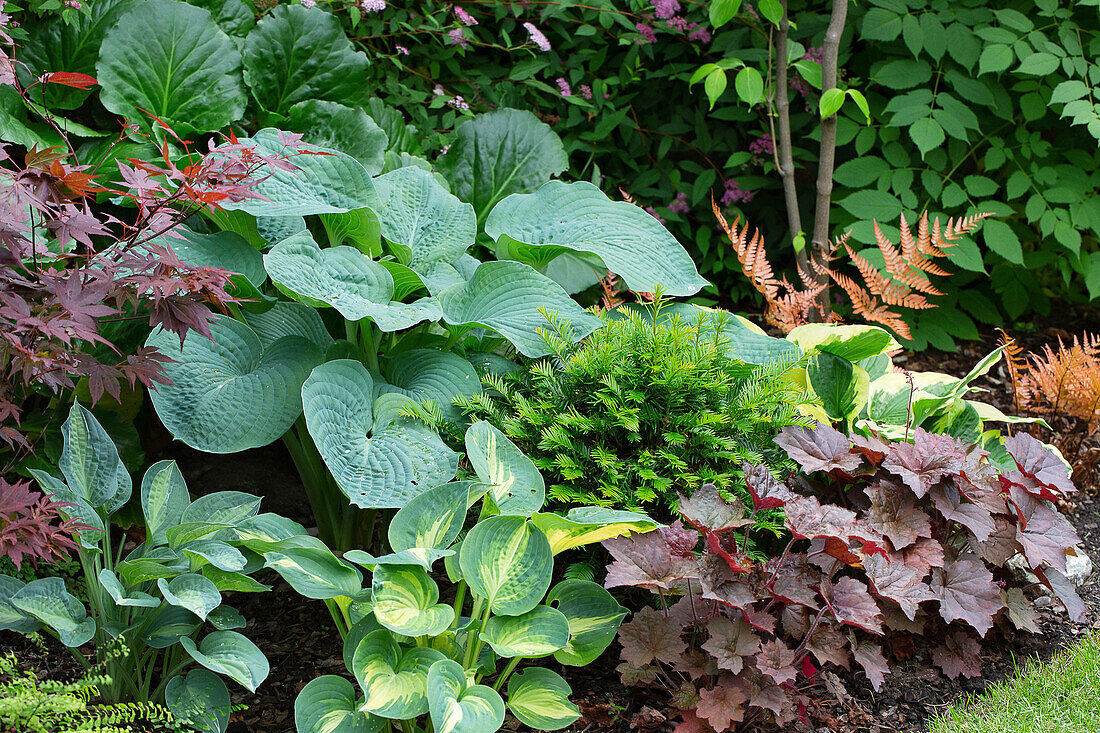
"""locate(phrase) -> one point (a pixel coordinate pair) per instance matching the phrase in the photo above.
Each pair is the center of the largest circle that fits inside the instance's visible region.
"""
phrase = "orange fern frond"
(1066, 380)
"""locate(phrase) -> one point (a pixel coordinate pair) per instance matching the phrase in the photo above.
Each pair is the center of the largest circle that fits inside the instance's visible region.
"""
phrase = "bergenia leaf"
(731, 642)
(959, 654)
(967, 593)
(650, 637)
(818, 449)
(852, 604)
(925, 461)
(707, 511)
(1039, 462)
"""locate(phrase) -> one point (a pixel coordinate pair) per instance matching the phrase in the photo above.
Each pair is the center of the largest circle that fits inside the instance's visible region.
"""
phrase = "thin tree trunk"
(827, 157)
(784, 158)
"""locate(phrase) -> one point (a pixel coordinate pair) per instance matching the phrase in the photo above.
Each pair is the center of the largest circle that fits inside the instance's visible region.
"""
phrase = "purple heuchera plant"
(914, 541)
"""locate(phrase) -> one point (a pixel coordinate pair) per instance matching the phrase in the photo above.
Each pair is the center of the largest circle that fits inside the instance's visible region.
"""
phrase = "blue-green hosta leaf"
(432, 518)
(169, 625)
(267, 528)
(226, 618)
(507, 297)
(395, 681)
(406, 600)
(515, 485)
(848, 342)
(347, 129)
(11, 618)
(328, 705)
(500, 153)
(164, 497)
(578, 217)
(187, 532)
(586, 525)
(456, 706)
(329, 183)
(346, 279)
(110, 583)
(221, 555)
(231, 394)
(288, 318)
(200, 699)
(507, 561)
(375, 465)
(315, 572)
(537, 633)
(228, 581)
(593, 615)
(423, 223)
(231, 654)
(197, 594)
(90, 463)
(432, 375)
(135, 571)
(423, 557)
(48, 601)
(222, 507)
(171, 60)
(295, 55)
(359, 228)
(229, 251)
(540, 699)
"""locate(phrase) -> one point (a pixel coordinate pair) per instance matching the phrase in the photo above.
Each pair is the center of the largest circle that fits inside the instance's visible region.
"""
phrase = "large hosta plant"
(156, 615)
(424, 665)
(382, 309)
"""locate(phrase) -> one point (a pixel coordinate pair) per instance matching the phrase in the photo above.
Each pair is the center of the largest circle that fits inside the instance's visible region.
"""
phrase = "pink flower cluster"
(459, 103)
(763, 145)
(458, 37)
(309, 3)
(653, 212)
(698, 33)
(372, 6)
(586, 91)
(648, 34)
(666, 8)
(464, 17)
(563, 85)
(735, 194)
(536, 36)
(680, 204)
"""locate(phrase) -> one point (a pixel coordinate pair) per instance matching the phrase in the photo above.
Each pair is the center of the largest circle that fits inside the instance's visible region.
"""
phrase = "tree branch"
(785, 160)
(827, 156)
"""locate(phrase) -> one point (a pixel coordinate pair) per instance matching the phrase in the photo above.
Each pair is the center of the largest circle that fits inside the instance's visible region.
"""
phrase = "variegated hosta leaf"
(11, 618)
(631, 243)
(507, 561)
(537, 633)
(90, 463)
(194, 592)
(459, 707)
(169, 625)
(289, 318)
(346, 279)
(432, 375)
(48, 601)
(431, 519)
(515, 485)
(842, 386)
(540, 699)
(231, 654)
(332, 183)
(394, 680)
(187, 532)
(220, 554)
(507, 297)
(259, 532)
(406, 600)
(231, 393)
(375, 465)
(593, 616)
(422, 221)
(586, 525)
(423, 557)
(164, 497)
(328, 705)
(358, 631)
(853, 343)
(315, 572)
(222, 507)
(199, 699)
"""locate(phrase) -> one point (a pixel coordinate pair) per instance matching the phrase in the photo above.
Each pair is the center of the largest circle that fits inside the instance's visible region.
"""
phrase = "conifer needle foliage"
(644, 408)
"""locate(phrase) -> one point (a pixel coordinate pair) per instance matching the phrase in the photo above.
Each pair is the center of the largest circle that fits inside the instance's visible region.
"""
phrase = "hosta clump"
(661, 399)
(156, 610)
(886, 540)
(423, 665)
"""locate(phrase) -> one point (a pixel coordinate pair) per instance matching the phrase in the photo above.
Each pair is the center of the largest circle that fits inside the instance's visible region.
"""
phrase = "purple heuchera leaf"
(967, 593)
(951, 506)
(868, 654)
(1039, 462)
(647, 561)
(899, 583)
(852, 604)
(776, 660)
(730, 642)
(925, 461)
(893, 512)
(1065, 591)
(959, 655)
(1021, 612)
(722, 706)
(818, 449)
(766, 491)
(707, 511)
(649, 637)
(1046, 539)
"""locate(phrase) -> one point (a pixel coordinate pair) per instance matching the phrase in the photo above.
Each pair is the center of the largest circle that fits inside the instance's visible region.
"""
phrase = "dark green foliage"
(639, 412)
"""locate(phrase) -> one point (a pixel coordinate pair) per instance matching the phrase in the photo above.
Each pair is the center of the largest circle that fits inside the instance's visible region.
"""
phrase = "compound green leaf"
(231, 654)
(315, 572)
(164, 497)
(593, 615)
(406, 600)
(537, 633)
(515, 484)
(48, 601)
(423, 223)
(456, 706)
(171, 60)
(540, 699)
(194, 592)
(327, 705)
(578, 217)
(507, 561)
(349, 130)
(395, 681)
(231, 393)
(200, 699)
(376, 463)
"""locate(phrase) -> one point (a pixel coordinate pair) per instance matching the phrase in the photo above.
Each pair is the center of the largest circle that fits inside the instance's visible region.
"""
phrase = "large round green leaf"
(220, 249)
(500, 153)
(232, 16)
(328, 705)
(315, 572)
(90, 463)
(394, 680)
(376, 462)
(593, 615)
(432, 375)
(507, 297)
(515, 484)
(194, 592)
(540, 699)
(406, 600)
(231, 654)
(853, 342)
(456, 706)
(586, 525)
(295, 54)
(578, 217)
(346, 279)
(537, 633)
(171, 60)
(505, 560)
(169, 625)
(164, 497)
(200, 700)
(48, 601)
(11, 618)
(324, 181)
(842, 386)
(347, 129)
(288, 318)
(230, 393)
(432, 518)
(422, 221)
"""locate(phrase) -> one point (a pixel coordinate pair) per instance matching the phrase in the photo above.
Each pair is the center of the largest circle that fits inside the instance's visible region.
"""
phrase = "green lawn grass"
(1060, 696)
